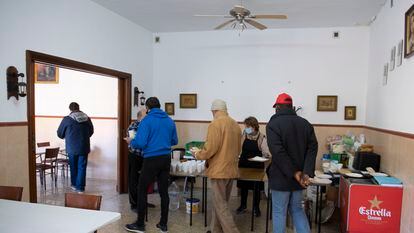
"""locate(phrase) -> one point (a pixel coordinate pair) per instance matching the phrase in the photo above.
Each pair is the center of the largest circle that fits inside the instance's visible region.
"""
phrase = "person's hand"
(194, 151)
(128, 139)
(298, 177)
(305, 180)
(302, 179)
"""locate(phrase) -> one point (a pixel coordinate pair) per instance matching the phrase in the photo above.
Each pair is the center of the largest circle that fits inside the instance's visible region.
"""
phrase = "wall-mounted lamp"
(136, 97)
(14, 87)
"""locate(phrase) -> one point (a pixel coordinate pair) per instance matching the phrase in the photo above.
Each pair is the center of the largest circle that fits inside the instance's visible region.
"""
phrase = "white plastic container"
(174, 194)
(196, 204)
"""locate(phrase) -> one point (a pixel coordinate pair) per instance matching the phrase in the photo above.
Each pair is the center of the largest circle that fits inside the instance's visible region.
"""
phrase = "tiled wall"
(397, 156)
(396, 151)
(102, 160)
(189, 131)
(14, 163)
(397, 159)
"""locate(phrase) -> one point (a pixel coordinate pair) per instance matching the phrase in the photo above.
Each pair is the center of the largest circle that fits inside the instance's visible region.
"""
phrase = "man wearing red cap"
(293, 145)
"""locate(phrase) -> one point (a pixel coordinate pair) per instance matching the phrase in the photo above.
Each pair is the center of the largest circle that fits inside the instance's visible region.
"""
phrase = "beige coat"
(222, 148)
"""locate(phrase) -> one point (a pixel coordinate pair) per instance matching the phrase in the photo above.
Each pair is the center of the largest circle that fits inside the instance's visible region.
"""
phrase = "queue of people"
(290, 144)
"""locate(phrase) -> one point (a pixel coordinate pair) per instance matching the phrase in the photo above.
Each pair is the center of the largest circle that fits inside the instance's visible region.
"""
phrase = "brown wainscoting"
(92, 117)
(17, 123)
(265, 123)
(338, 125)
(392, 132)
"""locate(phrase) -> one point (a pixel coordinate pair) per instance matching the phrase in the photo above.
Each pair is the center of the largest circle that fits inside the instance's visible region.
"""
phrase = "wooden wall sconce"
(137, 98)
(14, 87)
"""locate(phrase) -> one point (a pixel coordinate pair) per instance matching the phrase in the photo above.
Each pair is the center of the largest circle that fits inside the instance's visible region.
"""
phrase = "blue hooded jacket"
(156, 134)
(76, 129)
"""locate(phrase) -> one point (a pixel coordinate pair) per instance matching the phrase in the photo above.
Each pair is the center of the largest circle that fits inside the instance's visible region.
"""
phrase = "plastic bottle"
(174, 194)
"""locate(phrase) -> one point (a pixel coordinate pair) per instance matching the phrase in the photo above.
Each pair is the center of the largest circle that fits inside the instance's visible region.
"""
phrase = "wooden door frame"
(124, 112)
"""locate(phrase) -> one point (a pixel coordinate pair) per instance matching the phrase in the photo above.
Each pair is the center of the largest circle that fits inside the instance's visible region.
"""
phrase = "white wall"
(77, 29)
(249, 70)
(390, 106)
(98, 97)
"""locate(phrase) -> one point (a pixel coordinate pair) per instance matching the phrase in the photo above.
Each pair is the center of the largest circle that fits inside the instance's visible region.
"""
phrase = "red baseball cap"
(283, 99)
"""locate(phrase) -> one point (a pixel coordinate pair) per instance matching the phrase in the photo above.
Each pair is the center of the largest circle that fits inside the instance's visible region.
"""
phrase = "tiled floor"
(178, 220)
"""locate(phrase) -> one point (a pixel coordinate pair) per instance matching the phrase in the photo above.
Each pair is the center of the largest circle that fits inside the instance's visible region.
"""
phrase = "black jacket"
(293, 145)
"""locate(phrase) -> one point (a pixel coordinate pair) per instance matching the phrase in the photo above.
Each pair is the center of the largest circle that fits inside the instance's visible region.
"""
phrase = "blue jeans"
(281, 201)
(78, 165)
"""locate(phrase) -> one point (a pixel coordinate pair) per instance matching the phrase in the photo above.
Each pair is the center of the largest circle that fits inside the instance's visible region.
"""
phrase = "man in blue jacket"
(76, 129)
(155, 137)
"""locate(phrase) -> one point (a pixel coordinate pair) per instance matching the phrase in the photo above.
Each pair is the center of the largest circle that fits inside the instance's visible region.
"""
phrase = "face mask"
(248, 130)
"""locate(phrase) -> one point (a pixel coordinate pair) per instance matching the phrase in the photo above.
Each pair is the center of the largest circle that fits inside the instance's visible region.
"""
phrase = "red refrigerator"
(367, 207)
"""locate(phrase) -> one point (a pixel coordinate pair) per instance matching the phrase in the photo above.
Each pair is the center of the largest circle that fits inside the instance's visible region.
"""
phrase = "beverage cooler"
(367, 207)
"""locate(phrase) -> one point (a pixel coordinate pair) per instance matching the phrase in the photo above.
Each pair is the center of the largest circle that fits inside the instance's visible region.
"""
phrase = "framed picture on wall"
(188, 100)
(350, 112)
(327, 103)
(392, 60)
(46, 73)
(409, 32)
(170, 108)
(400, 52)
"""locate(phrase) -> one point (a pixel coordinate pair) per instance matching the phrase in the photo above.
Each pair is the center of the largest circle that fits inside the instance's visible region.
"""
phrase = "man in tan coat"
(221, 150)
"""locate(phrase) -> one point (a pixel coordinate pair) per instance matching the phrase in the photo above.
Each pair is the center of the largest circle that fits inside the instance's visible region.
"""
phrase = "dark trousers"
(134, 166)
(154, 168)
(78, 165)
(244, 192)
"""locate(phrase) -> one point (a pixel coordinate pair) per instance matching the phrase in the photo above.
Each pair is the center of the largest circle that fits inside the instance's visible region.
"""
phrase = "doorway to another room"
(97, 96)
(104, 95)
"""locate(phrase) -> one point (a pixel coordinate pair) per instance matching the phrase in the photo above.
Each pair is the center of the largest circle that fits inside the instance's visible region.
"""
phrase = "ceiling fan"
(240, 16)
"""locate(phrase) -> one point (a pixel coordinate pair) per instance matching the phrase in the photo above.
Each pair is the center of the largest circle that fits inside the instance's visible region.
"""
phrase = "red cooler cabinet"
(367, 207)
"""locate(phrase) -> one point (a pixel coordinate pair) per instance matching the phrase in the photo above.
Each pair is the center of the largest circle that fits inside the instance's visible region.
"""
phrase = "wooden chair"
(83, 201)
(49, 163)
(11, 193)
(39, 160)
(63, 163)
(43, 144)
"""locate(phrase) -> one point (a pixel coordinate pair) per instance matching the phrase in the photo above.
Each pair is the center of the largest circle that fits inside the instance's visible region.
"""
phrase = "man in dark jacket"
(155, 137)
(76, 129)
(293, 145)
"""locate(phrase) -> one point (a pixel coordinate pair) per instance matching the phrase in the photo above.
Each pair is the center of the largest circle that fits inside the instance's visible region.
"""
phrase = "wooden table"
(256, 175)
(22, 217)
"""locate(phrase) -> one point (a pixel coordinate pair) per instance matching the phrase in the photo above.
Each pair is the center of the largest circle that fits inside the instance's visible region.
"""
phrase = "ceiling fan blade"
(224, 24)
(268, 17)
(255, 24)
(222, 16)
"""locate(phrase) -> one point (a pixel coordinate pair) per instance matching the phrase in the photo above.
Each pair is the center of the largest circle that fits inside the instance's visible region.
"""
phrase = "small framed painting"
(350, 112)
(188, 100)
(170, 108)
(409, 32)
(46, 73)
(327, 103)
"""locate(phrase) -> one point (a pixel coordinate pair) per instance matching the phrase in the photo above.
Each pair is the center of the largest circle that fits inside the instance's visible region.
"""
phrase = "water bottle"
(174, 194)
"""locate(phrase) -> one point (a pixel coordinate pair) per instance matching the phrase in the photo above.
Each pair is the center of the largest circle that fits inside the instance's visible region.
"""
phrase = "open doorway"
(47, 104)
(55, 89)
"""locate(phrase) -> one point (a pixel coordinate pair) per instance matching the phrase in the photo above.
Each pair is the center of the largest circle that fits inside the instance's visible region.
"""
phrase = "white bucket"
(196, 204)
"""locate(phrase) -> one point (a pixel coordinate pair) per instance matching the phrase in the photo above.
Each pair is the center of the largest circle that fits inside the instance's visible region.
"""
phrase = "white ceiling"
(177, 15)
